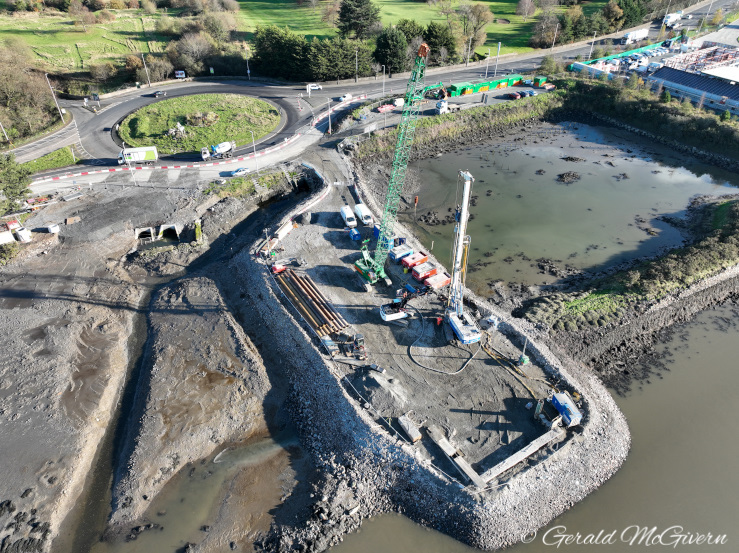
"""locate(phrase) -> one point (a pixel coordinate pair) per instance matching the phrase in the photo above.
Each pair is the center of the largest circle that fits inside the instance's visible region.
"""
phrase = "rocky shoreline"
(365, 471)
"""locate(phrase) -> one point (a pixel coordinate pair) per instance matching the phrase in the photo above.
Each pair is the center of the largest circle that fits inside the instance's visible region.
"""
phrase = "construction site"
(438, 401)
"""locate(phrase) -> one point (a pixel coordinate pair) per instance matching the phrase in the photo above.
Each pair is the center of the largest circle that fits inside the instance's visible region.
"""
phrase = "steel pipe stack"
(311, 303)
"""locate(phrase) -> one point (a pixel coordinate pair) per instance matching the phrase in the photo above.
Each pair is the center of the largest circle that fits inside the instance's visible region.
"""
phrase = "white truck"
(635, 36)
(363, 214)
(442, 106)
(146, 155)
(223, 150)
(671, 18)
(348, 217)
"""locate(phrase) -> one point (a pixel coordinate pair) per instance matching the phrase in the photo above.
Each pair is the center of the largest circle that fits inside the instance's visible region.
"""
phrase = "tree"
(102, 71)
(14, 180)
(331, 12)
(717, 17)
(438, 37)
(359, 16)
(545, 31)
(219, 25)
(280, 52)
(548, 65)
(614, 15)
(634, 82)
(525, 8)
(665, 97)
(410, 29)
(726, 115)
(391, 50)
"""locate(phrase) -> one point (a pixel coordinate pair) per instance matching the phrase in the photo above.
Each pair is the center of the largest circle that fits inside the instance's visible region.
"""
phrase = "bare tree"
(525, 8)
(195, 45)
(331, 12)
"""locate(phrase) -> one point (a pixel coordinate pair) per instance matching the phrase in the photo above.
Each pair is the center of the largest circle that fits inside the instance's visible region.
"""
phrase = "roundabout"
(186, 124)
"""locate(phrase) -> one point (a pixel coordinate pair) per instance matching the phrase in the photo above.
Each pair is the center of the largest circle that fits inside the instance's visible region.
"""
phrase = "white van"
(348, 216)
(363, 214)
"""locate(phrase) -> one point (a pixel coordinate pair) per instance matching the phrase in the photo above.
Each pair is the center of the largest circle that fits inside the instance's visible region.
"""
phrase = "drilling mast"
(462, 324)
(372, 268)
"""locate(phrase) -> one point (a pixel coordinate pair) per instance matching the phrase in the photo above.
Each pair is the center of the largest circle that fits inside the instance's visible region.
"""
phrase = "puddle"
(190, 501)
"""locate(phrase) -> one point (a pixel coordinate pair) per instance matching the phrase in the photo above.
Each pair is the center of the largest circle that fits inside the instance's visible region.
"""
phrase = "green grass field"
(59, 158)
(237, 115)
(306, 20)
(59, 45)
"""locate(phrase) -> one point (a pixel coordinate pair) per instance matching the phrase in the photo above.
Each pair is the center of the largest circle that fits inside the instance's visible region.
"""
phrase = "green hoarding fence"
(462, 89)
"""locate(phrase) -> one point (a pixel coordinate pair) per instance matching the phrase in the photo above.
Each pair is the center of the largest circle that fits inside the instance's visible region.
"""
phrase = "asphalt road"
(95, 129)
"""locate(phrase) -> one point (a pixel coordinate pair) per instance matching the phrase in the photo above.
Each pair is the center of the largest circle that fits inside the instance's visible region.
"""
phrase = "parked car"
(513, 95)
(314, 86)
(159, 93)
(238, 172)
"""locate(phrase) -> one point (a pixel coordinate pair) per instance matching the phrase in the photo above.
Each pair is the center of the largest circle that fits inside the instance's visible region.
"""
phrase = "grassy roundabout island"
(206, 118)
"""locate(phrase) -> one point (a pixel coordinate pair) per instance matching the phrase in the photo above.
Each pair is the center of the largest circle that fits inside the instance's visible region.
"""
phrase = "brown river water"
(680, 476)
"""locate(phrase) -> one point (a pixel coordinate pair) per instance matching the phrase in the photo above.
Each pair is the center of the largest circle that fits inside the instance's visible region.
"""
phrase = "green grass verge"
(8, 252)
(59, 158)
(236, 116)
(243, 187)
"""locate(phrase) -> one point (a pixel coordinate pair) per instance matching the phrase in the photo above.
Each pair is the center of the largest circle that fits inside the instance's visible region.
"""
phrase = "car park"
(238, 172)
(159, 93)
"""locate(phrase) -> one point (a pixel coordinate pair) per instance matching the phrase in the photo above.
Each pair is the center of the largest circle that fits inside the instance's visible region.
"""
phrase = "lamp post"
(590, 55)
(54, 96)
(383, 80)
(495, 74)
(148, 80)
(356, 65)
(254, 148)
(248, 72)
(487, 65)
(312, 115)
(329, 116)
(706, 17)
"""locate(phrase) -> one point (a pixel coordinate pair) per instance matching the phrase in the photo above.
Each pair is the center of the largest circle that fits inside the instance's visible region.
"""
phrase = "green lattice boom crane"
(372, 268)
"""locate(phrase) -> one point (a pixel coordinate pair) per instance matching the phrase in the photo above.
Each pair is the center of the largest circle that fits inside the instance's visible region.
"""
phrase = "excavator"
(395, 310)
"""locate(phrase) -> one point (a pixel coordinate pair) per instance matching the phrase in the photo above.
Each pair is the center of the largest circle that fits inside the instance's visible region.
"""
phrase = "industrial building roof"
(730, 73)
(697, 82)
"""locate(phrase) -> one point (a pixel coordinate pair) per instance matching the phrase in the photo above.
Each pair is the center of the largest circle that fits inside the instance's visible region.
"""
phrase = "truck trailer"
(223, 150)
(635, 36)
(146, 155)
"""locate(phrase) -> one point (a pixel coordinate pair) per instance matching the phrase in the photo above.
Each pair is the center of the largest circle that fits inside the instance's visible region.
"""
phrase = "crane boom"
(372, 268)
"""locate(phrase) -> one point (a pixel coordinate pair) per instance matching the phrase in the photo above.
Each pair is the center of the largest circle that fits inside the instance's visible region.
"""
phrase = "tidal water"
(522, 213)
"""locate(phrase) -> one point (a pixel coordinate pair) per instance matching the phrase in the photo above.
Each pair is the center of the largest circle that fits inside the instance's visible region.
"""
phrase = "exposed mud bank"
(202, 385)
